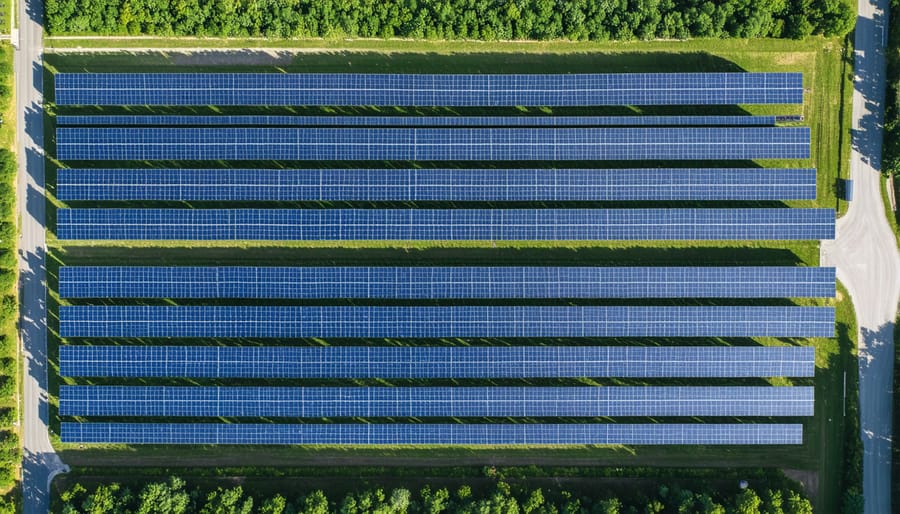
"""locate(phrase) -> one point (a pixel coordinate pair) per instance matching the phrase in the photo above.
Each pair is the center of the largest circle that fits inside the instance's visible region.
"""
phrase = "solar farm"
(400, 352)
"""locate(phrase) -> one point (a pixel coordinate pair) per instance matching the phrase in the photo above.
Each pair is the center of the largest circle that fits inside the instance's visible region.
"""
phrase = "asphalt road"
(40, 463)
(865, 254)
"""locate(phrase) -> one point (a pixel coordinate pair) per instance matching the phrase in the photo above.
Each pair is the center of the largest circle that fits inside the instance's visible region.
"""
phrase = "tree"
(797, 504)
(747, 502)
(534, 502)
(836, 18)
(399, 500)
(708, 506)
(654, 507)
(314, 503)
(70, 495)
(435, 503)
(610, 506)
(227, 501)
(774, 503)
(7, 506)
(273, 505)
(107, 499)
(164, 498)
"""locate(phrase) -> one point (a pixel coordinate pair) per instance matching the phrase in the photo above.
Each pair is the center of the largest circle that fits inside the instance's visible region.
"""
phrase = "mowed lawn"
(826, 74)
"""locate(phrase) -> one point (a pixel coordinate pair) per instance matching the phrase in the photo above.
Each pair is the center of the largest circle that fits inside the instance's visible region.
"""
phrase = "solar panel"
(444, 282)
(442, 402)
(431, 144)
(414, 121)
(445, 224)
(440, 322)
(435, 362)
(432, 434)
(427, 90)
(437, 184)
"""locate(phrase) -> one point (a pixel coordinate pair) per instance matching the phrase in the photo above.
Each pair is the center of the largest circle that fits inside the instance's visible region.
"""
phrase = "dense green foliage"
(4, 17)
(891, 149)
(454, 19)
(895, 484)
(851, 469)
(174, 497)
(10, 454)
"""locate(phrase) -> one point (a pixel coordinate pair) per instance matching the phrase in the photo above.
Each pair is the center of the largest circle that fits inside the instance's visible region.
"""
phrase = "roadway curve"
(40, 463)
(865, 254)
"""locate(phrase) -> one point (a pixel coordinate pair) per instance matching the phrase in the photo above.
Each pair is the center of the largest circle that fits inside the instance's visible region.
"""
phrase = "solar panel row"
(441, 322)
(427, 90)
(435, 362)
(432, 434)
(437, 184)
(443, 402)
(446, 224)
(444, 282)
(415, 121)
(431, 144)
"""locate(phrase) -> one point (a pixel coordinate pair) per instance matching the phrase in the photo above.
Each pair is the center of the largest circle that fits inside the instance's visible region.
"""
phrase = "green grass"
(890, 214)
(824, 63)
(821, 450)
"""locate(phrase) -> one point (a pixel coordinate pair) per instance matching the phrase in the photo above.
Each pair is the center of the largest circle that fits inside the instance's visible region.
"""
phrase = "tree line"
(891, 150)
(10, 455)
(175, 497)
(454, 19)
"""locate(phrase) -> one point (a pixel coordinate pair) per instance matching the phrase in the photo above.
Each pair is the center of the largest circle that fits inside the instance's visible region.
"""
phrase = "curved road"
(40, 463)
(865, 254)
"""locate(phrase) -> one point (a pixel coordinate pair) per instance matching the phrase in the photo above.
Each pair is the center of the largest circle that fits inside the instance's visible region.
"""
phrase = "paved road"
(865, 253)
(40, 463)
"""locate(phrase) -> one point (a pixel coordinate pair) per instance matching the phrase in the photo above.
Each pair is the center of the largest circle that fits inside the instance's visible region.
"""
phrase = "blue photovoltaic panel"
(444, 402)
(444, 282)
(445, 224)
(435, 362)
(440, 322)
(432, 144)
(427, 90)
(432, 434)
(437, 184)
(415, 121)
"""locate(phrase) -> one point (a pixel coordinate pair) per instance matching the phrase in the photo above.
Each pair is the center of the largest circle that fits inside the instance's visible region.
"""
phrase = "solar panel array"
(434, 138)
(414, 121)
(436, 184)
(435, 362)
(444, 282)
(441, 322)
(442, 402)
(445, 224)
(433, 434)
(427, 90)
(431, 144)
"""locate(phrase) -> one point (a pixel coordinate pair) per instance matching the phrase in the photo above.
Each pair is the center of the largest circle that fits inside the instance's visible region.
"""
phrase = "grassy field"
(824, 434)
(826, 74)
(823, 62)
